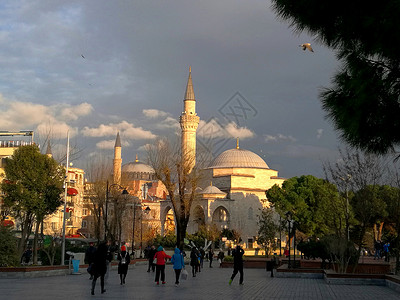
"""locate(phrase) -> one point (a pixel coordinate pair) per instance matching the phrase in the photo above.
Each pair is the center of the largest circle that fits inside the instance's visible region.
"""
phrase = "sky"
(96, 67)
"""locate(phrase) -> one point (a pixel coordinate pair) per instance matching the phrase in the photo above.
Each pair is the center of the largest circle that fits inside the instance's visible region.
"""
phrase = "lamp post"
(108, 189)
(346, 181)
(146, 211)
(288, 218)
(280, 236)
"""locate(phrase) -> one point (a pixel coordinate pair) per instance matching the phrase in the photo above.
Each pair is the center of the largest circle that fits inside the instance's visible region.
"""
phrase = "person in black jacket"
(89, 256)
(99, 267)
(151, 254)
(237, 254)
(124, 260)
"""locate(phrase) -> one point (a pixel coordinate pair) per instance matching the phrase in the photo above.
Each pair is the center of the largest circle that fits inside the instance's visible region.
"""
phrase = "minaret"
(48, 150)
(189, 122)
(117, 162)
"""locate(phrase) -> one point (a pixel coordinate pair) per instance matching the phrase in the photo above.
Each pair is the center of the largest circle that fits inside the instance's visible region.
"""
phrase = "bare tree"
(98, 171)
(180, 177)
(358, 173)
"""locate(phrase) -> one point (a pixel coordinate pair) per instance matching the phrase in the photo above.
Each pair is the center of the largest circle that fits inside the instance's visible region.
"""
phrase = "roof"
(136, 167)
(238, 158)
(211, 189)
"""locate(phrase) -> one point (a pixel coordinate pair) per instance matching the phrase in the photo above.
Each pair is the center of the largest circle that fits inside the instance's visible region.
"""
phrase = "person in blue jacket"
(178, 264)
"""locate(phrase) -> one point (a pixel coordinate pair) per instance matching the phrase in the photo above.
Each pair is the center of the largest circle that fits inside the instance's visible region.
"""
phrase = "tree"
(8, 247)
(393, 209)
(267, 230)
(32, 190)
(369, 207)
(353, 171)
(307, 198)
(180, 178)
(364, 100)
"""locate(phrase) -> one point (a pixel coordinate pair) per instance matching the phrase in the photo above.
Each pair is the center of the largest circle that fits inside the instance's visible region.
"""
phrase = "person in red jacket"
(160, 257)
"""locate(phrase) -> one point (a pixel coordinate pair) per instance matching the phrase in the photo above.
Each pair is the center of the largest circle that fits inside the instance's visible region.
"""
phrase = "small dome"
(137, 167)
(238, 158)
(211, 189)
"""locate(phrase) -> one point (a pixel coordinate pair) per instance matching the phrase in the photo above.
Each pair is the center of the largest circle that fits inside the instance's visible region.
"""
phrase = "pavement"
(210, 284)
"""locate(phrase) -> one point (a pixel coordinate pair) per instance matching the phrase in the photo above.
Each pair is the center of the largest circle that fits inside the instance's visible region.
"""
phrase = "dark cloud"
(137, 55)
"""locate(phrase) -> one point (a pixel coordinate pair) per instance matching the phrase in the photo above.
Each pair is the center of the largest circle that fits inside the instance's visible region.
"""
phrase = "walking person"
(194, 260)
(99, 267)
(386, 251)
(160, 257)
(220, 256)
(202, 255)
(237, 254)
(124, 260)
(178, 264)
(211, 256)
(109, 257)
(151, 254)
(89, 256)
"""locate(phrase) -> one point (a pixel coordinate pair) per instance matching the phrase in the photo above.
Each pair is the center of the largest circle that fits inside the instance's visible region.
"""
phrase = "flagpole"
(65, 203)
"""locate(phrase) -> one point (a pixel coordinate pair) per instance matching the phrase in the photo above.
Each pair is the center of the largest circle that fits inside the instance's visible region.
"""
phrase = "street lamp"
(108, 189)
(289, 218)
(346, 181)
(146, 211)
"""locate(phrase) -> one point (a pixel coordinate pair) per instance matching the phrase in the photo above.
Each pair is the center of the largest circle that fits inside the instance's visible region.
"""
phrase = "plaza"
(210, 284)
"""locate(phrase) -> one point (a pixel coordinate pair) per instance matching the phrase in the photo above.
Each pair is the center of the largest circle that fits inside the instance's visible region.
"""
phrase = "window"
(250, 243)
(84, 224)
(84, 211)
(54, 225)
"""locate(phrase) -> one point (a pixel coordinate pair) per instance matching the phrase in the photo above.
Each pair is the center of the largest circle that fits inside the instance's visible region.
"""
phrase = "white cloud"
(109, 144)
(74, 112)
(154, 113)
(19, 115)
(319, 133)
(213, 129)
(279, 137)
(240, 132)
(126, 129)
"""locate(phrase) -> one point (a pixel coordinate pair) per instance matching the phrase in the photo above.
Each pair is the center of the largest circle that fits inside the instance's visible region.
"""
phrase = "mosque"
(232, 191)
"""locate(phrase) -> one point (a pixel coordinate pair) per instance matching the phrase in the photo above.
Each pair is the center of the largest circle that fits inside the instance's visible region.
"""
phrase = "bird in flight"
(83, 56)
(306, 46)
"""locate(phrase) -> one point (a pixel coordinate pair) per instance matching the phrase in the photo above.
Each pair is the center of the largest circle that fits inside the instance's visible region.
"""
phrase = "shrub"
(8, 248)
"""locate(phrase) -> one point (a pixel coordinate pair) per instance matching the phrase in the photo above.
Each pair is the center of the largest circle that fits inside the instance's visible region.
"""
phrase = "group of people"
(382, 250)
(99, 260)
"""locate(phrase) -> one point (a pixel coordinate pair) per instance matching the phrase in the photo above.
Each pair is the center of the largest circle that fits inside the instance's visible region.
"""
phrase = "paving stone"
(210, 284)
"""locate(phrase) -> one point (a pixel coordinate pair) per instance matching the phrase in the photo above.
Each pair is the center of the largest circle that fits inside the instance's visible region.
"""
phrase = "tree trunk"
(35, 243)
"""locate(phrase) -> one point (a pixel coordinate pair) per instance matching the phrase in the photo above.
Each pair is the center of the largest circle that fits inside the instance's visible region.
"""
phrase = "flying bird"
(83, 56)
(306, 46)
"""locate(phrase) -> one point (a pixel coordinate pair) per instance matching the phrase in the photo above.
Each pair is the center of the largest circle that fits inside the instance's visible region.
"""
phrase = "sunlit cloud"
(277, 138)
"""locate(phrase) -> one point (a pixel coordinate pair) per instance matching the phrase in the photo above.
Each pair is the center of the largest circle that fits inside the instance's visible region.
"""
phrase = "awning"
(7, 223)
(72, 192)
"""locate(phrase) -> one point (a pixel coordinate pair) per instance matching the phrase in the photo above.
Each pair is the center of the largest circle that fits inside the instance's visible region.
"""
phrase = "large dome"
(238, 158)
(137, 167)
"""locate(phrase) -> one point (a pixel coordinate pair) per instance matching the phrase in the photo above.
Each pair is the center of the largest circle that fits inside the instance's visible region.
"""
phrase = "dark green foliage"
(364, 100)
(308, 199)
(33, 188)
(8, 248)
(267, 230)
(167, 241)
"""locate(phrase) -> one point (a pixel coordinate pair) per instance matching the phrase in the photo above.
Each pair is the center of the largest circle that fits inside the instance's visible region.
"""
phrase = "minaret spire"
(48, 150)
(117, 161)
(189, 94)
(237, 143)
(189, 122)
(118, 141)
